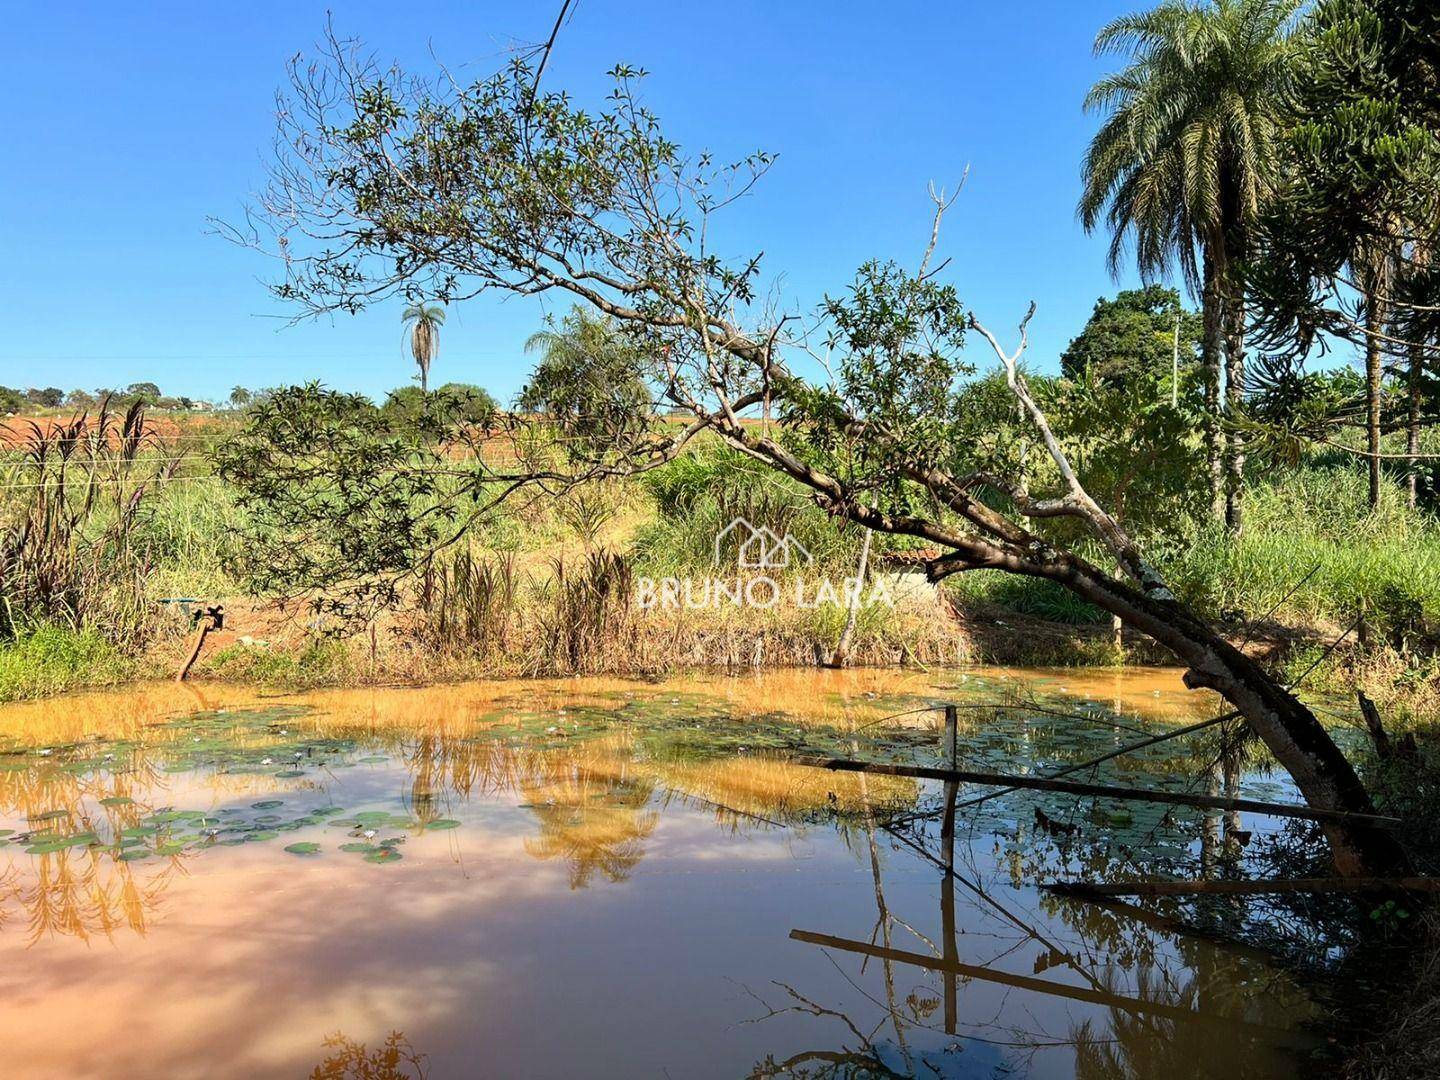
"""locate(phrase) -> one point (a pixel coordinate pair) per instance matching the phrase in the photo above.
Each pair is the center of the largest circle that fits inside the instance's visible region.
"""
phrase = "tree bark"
(1234, 402)
(1210, 361)
(1414, 379)
(841, 656)
(1375, 285)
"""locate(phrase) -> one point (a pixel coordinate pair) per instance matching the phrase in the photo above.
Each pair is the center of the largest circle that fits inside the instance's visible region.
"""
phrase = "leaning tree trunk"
(1288, 728)
(1211, 348)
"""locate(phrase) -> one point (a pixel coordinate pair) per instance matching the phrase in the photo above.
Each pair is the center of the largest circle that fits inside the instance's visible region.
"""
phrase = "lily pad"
(117, 800)
(442, 823)
(384, 855)
(305, 847)
(268, 804)
(164, 817)
(46, 847)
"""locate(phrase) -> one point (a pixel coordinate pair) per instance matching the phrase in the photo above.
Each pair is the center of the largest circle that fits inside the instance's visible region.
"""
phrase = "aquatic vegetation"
(593, 763)
(599, 789)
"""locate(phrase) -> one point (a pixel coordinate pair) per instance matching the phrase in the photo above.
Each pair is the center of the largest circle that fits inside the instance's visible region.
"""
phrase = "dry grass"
(482, 615)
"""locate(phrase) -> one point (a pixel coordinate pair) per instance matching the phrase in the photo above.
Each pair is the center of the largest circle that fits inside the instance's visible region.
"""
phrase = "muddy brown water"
(600, 877)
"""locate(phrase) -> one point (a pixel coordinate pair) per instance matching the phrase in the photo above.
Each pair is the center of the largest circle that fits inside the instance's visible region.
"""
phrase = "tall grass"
(69, 549)
(468, 602)
(190, 531)
(1312, 550)
(590, 619)
(698, 494)
(1035, 597)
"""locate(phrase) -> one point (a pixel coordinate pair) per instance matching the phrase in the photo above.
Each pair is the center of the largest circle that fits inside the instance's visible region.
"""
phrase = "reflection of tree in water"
(394, 1059)
(589, 800)
(84, 892)
(594, 820)
(1177, 1005)
(862, 1061)
(1137, 1047)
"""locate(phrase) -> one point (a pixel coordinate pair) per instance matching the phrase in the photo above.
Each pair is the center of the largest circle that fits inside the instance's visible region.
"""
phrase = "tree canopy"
(1134, 336)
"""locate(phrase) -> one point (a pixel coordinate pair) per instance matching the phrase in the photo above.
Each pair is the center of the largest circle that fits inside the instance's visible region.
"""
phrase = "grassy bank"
(55, 659)
(543, 587)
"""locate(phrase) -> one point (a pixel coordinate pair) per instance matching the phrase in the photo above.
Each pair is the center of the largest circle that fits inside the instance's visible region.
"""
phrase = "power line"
(146, 358)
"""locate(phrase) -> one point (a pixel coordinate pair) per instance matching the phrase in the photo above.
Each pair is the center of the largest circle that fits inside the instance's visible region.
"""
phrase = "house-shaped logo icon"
(759, 547)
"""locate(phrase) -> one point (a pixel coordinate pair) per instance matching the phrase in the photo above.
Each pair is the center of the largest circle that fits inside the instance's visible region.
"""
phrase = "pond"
(601, 877)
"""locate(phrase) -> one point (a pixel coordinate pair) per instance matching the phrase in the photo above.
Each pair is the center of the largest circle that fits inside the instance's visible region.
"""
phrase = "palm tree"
(1190, 148)
(590, 380)
(424, 322)
(239, 397)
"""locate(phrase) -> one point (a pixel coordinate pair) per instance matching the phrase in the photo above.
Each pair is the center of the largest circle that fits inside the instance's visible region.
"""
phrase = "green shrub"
(52, 659)
(320, 662)
(1025, 596)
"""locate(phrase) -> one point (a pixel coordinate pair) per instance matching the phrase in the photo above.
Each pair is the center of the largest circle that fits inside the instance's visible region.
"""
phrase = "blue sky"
(130, 124)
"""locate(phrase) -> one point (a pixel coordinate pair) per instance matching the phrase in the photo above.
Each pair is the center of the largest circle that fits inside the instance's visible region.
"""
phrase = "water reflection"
(592, 814)
(622, 861)
(394, 1059)
(1174, 1004)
